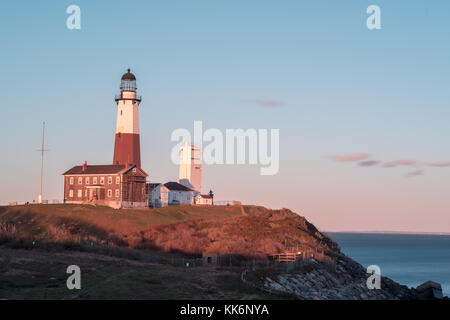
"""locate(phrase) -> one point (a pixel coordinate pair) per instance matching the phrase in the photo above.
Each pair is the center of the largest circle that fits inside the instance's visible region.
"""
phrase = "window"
(109, 193)
(71, 180)
(71, 193)
(88, 180)
(117, 180)
(80, 180)
(109, 180)
(94, 180)
(117, 192)
(134, 170)
(102, 180)
(80, 193)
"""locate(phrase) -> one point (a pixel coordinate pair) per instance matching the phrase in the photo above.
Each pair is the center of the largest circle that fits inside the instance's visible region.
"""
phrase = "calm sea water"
(409, 259)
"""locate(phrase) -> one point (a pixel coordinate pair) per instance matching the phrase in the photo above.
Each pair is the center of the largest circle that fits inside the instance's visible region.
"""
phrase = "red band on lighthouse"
(127, 149)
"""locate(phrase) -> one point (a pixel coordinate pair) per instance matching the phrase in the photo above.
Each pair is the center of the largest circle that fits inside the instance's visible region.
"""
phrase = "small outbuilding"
(210, 259)
(204, 199)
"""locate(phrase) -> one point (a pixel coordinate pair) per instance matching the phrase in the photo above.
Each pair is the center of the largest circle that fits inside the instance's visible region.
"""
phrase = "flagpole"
(42, 162)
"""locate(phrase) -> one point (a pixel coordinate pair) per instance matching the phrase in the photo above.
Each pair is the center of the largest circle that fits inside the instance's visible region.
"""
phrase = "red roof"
(205, 196)
(96, 169)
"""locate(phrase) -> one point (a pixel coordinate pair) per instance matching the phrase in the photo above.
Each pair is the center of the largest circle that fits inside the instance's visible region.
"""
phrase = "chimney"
(84, 166)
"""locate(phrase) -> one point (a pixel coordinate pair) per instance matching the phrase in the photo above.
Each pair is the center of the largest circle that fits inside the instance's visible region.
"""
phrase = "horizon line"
(443, 233)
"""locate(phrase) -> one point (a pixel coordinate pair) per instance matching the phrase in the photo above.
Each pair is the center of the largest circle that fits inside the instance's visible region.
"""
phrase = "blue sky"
(343, 89)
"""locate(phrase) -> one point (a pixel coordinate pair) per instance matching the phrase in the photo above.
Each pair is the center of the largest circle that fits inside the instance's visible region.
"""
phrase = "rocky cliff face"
(336, 278)
(346, 280)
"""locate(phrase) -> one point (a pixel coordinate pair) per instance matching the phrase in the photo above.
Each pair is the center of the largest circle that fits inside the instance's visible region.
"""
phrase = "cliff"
(241, 234)
(249, 231)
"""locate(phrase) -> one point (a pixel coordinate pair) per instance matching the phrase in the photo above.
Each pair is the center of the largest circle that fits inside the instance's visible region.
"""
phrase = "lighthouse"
(190, 170)
(127, 146)
(121, 184)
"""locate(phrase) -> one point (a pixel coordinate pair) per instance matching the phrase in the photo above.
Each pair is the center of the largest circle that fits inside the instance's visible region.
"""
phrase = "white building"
(204, 199)
(190, 174)
(179, 194)
(157, 195)
(170, 193)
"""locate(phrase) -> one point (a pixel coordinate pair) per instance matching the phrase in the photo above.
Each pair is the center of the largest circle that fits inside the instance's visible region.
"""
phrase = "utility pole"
(42, 150)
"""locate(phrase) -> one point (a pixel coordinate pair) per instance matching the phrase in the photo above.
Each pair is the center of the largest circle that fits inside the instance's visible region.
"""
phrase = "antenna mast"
(42, 150)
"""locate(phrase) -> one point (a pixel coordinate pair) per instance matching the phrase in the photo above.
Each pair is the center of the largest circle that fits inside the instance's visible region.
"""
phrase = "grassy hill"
(249, 231)
(135, 254)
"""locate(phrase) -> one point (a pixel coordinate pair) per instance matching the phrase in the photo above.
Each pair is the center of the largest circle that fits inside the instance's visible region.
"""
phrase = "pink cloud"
(266, 102)
(439, 164)
(396, 163)
(351, 157)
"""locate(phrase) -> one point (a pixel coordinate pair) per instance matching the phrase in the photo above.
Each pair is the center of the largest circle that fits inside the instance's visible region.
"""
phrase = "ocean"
(409, 259)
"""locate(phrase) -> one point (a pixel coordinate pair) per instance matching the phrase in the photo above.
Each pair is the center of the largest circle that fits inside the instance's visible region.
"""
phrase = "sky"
(363, 114)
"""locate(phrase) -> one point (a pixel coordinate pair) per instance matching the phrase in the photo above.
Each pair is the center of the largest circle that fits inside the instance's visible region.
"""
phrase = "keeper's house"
(116, 186)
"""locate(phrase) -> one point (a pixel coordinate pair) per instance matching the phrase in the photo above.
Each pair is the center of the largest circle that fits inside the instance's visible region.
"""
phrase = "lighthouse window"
(109, 193)
(120, 112)
(109, 180)
(102, 180)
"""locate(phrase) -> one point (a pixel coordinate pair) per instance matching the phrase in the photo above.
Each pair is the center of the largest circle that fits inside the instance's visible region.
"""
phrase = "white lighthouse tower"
(190, 174)
(127, 145)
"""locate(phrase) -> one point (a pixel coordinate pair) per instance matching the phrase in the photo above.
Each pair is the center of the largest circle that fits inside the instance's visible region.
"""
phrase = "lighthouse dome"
(128, 82)
(128, 76)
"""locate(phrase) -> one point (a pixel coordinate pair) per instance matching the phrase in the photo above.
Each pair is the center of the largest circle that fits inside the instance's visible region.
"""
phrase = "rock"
(430, 290)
